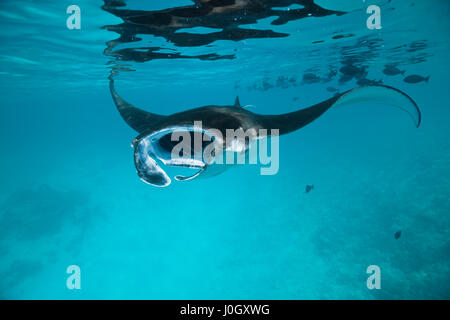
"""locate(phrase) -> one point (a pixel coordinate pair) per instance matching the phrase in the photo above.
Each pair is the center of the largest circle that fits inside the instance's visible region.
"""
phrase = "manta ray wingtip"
(382, 94)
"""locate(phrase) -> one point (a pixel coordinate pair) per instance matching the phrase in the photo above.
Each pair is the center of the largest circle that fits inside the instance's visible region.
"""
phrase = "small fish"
(345, 78)
(310, 78)
(331, 89)
(397, 234)
(367, 82)
(353, 71)
(333, 72)
(415, 78)
(282, 82)
(350, 70)
(309, 188)
(391, 70)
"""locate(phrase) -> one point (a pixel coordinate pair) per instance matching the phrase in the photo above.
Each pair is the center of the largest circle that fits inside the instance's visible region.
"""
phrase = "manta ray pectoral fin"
(136, 118)
(376, 94)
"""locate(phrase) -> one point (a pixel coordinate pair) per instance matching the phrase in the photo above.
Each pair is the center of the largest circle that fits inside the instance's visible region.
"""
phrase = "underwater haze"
(70, 195)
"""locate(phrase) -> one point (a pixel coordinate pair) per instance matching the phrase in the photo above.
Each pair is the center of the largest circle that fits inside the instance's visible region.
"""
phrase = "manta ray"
(154, 143)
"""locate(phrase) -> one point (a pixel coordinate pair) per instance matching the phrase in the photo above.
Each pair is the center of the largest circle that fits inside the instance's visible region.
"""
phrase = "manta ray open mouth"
(163, 146)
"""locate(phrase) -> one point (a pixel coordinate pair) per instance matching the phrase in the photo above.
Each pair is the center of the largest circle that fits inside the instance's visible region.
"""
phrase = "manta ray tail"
(136, 118)
(377, 94)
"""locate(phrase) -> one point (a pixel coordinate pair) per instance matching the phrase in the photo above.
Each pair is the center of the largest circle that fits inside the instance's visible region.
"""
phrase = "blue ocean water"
(70, 194)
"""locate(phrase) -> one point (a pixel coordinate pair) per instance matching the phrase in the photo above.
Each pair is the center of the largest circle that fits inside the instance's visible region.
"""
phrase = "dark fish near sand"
(415, 78)
(309, 188)
(397, 234)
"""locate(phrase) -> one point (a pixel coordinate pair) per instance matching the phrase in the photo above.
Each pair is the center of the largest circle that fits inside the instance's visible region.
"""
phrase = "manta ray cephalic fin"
(237, 104)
